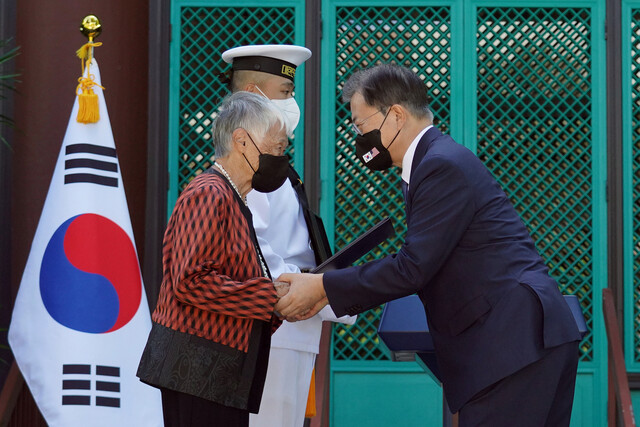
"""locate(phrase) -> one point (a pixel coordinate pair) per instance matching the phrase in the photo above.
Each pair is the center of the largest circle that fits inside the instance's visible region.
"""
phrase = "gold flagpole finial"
(91, 27)
(88, 109)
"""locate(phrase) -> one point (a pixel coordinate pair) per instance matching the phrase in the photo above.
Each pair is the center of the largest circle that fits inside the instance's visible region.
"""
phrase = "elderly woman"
(209, 343)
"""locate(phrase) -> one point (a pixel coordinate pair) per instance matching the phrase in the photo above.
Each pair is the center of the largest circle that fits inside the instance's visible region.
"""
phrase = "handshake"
(300, 296)
(281, 288)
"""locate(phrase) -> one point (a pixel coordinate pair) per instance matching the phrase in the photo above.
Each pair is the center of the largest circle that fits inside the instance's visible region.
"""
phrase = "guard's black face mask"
(370, 150)
(271, 173)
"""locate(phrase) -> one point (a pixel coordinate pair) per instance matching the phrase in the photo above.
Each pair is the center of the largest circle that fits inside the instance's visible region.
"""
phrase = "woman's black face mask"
(271, 173)
(371, 152)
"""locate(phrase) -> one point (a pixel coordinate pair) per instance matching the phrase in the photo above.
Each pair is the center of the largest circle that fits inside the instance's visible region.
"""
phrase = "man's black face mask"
(371, 152)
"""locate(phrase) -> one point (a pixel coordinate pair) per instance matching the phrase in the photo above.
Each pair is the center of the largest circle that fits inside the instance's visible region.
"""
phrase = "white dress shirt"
(407, 160)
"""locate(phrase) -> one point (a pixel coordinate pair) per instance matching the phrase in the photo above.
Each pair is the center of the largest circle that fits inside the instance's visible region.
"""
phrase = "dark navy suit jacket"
(491, 305)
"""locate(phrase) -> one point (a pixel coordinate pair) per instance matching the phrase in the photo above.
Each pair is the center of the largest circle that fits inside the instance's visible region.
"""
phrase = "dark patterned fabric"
(211, 328)
(192, 365)
(181, 362)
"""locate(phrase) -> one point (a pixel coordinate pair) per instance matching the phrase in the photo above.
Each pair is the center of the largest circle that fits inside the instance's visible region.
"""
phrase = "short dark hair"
(384, 85)
(240, 78)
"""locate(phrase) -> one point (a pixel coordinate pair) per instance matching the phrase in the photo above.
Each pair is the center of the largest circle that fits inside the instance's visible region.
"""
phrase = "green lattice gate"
(521, 84)
(631, 159)
(358, 36)
(202, 30)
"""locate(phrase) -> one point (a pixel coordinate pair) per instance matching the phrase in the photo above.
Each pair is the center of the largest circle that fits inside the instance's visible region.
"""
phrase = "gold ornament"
(91, 27)
(88, 106)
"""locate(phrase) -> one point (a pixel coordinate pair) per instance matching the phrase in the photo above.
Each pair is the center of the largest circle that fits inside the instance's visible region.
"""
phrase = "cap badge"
(288, 71)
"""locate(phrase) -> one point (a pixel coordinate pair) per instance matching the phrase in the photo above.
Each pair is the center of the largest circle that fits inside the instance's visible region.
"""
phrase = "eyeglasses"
(356, 129)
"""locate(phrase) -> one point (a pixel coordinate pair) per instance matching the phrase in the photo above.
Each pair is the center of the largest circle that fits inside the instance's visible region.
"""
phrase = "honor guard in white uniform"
(290, 235)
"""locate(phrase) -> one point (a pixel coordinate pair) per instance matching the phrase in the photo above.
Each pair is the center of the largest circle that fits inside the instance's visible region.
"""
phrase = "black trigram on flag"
(101, 160)
(77, 385)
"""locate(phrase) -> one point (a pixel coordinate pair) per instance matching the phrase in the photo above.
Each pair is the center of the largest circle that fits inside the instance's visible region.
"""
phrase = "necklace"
(224, 172)
(244, 200)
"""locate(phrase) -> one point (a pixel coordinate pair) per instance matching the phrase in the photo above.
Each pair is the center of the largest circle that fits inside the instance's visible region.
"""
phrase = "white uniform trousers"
(286, 389)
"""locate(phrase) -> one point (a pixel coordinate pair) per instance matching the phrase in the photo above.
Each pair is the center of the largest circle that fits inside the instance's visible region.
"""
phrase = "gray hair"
(384, 85)
(253, 113)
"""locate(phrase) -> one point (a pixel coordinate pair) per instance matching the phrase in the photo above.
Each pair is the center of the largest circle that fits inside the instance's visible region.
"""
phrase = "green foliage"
(7, 81)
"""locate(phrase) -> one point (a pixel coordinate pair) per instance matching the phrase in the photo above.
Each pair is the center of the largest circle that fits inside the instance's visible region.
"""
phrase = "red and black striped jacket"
(215, 307)
(213, 285)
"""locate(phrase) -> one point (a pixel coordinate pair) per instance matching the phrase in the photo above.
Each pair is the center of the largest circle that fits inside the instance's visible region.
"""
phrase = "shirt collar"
(407, 160)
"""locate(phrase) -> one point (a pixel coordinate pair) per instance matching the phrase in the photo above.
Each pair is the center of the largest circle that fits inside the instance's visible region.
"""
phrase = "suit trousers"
(540, 394)
(185, 410)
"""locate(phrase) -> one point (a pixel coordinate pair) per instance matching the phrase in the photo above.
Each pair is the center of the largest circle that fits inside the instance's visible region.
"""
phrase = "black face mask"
(370, 150)
(271, 173)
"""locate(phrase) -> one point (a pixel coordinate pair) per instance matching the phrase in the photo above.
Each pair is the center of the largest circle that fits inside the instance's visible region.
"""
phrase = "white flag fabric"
(81, 318)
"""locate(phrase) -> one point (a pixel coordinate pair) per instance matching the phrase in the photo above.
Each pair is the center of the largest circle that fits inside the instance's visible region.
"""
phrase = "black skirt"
(185, 410)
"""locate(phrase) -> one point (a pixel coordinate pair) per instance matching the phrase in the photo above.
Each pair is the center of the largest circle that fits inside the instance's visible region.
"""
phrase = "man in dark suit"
(505, 340)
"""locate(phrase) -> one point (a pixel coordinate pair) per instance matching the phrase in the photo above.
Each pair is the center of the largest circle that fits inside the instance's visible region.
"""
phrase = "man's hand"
(305, 298)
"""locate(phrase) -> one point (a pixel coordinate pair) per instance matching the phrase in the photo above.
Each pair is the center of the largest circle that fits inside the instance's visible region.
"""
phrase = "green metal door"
(631, 184)
(520, 83)
(367, 388)
(538, 126)
(631, 159)
(201, 31)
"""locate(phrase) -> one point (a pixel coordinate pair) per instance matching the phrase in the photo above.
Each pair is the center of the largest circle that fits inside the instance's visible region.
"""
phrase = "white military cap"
(279, 59)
